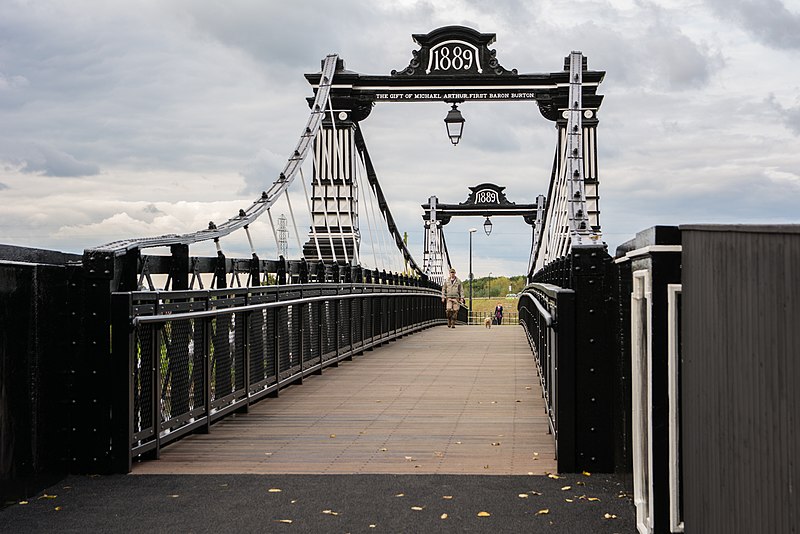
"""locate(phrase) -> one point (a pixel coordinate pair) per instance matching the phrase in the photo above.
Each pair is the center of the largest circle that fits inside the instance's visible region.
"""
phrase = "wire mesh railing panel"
(310, 350)
(258, 346)
(357, 313)
(175, 369)
(345, 324)
(284, 362)
(196, 356)
(328, 330)
(143, 383)
(295, 329)
(271, 340)
(238, 331)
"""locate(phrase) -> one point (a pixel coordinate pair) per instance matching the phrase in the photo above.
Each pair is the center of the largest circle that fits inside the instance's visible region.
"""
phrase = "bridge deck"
(461, 401)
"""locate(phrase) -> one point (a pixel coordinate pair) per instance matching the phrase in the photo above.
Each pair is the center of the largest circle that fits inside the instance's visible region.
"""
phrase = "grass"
(487, 305)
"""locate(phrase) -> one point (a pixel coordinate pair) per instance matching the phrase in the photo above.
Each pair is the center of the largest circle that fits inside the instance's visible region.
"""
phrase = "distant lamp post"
(487, 226)
(455, 124)
(471, 231)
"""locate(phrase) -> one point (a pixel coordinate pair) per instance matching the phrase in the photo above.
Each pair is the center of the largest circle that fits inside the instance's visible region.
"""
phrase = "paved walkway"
(455, 401)
(448, 406)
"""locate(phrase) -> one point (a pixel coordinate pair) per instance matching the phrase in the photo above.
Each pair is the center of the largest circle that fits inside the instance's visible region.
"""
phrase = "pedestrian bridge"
(648, 362)
(442, 401)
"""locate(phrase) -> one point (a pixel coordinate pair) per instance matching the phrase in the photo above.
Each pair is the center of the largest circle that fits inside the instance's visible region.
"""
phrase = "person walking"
(452, 296)
(498, 314)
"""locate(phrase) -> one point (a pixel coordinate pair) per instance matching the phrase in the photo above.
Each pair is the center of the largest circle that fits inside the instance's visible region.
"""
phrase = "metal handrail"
(145, 319)
(548, 318)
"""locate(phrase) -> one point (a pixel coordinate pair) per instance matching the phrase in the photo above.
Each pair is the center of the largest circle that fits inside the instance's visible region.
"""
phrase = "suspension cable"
(294, 222)
(310, 214)
(379, 234)
(366, 211)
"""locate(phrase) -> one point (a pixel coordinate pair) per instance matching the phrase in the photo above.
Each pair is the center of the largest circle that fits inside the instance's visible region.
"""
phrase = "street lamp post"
(471, 231)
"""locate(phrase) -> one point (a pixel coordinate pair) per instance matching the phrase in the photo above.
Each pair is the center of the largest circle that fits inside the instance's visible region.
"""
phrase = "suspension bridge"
(145, 351)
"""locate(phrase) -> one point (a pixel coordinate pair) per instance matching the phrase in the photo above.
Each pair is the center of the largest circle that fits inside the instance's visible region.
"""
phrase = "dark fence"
(34, 368)
(740, 352)
(188, 358)
(574, 349)
(547, 313)
(648, 270)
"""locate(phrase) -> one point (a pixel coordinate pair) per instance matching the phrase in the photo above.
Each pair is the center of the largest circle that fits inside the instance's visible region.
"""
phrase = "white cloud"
(124, 120)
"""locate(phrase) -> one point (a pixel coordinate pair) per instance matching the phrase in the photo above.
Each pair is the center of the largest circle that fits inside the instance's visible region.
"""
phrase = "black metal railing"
(547, 313)
(193, 357)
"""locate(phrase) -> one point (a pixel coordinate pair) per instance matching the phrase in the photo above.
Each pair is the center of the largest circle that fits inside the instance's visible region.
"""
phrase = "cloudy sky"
(125, 119)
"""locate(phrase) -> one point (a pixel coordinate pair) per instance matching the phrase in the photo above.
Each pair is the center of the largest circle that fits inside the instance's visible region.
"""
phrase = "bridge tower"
(334, 198)
(434, 256)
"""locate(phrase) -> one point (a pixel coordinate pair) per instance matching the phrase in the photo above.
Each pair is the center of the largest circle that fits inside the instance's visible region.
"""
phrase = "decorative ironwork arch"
(454, 64)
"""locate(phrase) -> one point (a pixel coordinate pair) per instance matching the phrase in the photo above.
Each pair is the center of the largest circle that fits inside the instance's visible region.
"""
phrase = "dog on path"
(487, 322)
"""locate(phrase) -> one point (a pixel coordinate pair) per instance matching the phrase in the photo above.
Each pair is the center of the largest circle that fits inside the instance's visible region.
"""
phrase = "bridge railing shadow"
(185, 359)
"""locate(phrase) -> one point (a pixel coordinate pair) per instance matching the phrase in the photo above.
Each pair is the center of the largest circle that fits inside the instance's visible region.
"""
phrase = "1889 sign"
(453, 56)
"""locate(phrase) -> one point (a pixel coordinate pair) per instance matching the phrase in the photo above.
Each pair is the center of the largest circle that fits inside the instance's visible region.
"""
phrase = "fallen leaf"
(534, 492)
(417, 508)
(373, 526)
(175, 496)
(593, 499)
(409, 459)
(527, 387)
(536, 454)
(333, 435)
(569, 500)
(274, 490)
(438, 454)
(484, 514)
(330, 512)
(550, 475)
(579, 483)
(544, 511)
(57, 508)
(384, 449)
(293, 501)
(46, 496)
(268, 454)
(609, 516)
(495, 444)
(283, 520)
(486, 467)
(587, 473)
(530, 472)
(566, 488)
(400, 495)
(523, 495)
(519, 400)
(447, 497)
(443, 516)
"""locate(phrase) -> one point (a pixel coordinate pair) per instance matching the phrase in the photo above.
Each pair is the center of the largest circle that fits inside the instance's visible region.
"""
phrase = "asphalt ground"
(573, 503)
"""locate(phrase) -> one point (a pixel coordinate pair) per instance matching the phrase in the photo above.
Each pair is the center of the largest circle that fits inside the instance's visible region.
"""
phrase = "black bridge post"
(595, 365)
(179, 267)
